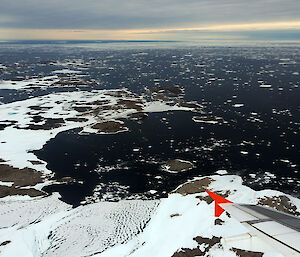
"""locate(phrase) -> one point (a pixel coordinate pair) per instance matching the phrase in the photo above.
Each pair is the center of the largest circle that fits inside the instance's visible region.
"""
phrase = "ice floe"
(265, 86)
(238, 105)
(66, 71)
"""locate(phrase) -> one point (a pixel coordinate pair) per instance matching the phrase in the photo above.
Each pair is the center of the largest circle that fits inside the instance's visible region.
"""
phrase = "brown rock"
(77, 119)
(168, 90)
(197, 186)
(243, 253)
(218, 221)
(39, 108)
(5, 243)
(179, 165)
(82, 108)
(50, 123)
(209, 243)
(280, 203)
(20, 177)
(35, 162)
(138, 116)
(131, 104)
(175, 215)
(109, 127)
(7, 191)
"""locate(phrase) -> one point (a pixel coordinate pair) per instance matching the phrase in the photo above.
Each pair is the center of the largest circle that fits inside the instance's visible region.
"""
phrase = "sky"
(150, 19)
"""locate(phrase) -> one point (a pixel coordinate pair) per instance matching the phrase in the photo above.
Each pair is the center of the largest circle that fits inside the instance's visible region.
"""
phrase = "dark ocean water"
(260, 136)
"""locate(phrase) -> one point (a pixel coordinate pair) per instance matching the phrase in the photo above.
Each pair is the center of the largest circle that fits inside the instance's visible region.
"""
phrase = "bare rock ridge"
(19, 178)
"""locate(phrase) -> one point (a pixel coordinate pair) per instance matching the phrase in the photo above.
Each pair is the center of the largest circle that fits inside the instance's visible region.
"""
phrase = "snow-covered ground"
(48, 227)
(179, 219)
(28, 84)
(19, 139)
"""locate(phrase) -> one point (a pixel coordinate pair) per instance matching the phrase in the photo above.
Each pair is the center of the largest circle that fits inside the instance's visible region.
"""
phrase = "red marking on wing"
(218, 199)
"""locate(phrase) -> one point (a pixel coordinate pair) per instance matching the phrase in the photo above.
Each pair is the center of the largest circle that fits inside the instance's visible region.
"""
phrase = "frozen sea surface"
(249, 125)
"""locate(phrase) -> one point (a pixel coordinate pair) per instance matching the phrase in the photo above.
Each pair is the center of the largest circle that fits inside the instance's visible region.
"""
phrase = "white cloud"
(135, 14)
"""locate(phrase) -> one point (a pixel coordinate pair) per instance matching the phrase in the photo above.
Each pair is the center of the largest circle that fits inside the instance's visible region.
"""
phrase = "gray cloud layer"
(135, 14)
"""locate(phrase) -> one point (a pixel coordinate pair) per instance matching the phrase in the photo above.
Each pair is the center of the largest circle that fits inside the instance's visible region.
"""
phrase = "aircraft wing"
(268, 229)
